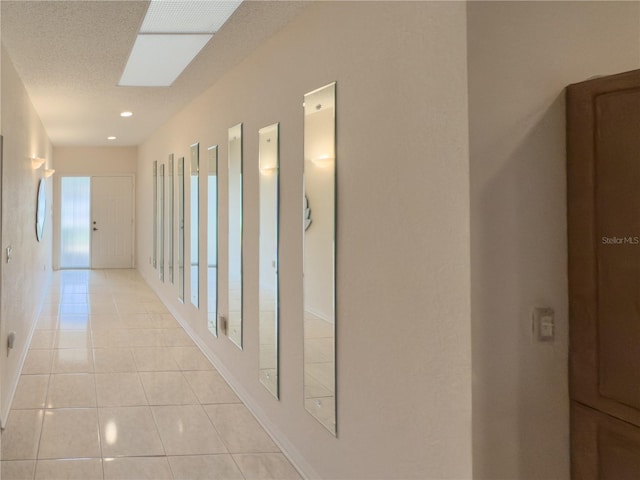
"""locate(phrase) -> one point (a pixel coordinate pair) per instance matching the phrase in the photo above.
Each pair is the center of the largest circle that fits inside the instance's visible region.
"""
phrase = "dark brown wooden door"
(603, 172)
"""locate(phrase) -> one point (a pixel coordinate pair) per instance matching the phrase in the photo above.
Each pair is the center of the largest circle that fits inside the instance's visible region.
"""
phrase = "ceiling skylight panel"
(171, 35)
(157, 60)
(195, 16)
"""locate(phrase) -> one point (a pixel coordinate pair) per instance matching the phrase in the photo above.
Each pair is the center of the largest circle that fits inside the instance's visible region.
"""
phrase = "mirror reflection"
(181, 229)
(170, 222)
(319, 255)
(235, 236)
(155, 214)
(268, 256)
(195, 225)
(161, 223)
(212, 240)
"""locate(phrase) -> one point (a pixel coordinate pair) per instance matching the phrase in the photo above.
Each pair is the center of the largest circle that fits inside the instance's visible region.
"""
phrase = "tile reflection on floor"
(319, 369)
(113, 388)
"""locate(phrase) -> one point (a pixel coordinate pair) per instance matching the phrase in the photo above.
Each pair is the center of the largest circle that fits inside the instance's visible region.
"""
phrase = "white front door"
(112, 222)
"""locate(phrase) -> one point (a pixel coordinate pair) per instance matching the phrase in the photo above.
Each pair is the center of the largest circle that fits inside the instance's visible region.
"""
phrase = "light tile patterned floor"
(113, 388)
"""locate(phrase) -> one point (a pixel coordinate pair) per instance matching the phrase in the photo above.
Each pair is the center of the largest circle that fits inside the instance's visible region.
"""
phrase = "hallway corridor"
(113, 388)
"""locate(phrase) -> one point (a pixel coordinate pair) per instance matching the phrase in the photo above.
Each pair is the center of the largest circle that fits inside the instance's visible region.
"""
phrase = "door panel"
(112, 222)
(603, 194)
(618, 248)
(603, 447)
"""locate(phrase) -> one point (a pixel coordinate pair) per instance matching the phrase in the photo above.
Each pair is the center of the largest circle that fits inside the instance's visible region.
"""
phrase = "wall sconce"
(48, 172)
(37, 162)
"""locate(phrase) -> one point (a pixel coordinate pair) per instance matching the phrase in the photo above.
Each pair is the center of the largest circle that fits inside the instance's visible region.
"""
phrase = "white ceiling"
(71, 54)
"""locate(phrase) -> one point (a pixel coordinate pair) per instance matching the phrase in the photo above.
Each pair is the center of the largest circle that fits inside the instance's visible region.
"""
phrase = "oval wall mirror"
(41, 208)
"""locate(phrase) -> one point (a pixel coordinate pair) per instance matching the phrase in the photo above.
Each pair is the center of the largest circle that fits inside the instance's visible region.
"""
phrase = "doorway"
(96, 222)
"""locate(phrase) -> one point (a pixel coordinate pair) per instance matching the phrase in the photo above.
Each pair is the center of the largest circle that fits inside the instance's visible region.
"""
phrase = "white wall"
(85, 162)
(95, 160)
(26, 278)
(521, 56)
(403, 380)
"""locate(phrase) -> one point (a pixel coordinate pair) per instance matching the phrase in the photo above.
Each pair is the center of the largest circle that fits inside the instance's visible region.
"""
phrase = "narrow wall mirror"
(195, 225)
(235, 236)
(268, 162)
(212, 240)
(155, 214)
(181, 229)
(161, 223)
(319, 220)
(170, 224)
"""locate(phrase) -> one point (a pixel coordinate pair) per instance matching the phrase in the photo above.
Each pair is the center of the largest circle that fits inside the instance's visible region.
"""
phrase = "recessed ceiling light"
(111, 138)
(126, 114)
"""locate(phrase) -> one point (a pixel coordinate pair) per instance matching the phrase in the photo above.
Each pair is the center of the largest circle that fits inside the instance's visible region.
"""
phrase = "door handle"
(94, 229)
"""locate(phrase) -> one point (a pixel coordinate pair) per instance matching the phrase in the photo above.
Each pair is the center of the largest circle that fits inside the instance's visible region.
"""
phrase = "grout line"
(46, 397)
(153, 416)
(95, 388)
(171, 351)
(233, 458)
(155, 422)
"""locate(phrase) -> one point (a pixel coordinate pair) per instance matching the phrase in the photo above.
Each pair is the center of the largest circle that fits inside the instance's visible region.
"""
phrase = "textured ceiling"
(71, 54)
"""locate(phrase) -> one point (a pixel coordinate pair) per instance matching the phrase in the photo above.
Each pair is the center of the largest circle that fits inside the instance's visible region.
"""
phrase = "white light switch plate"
(544, 326)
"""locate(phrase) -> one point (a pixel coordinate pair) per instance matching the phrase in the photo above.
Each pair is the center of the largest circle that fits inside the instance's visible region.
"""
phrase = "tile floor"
(113, 388)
